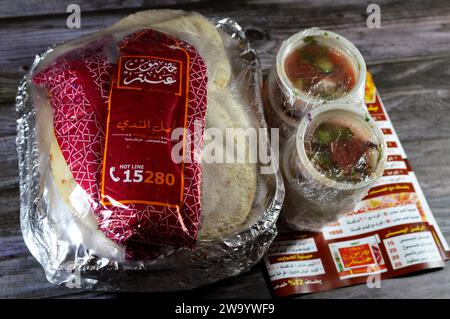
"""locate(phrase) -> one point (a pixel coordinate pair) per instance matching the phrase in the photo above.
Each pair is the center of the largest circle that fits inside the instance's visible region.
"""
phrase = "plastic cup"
(313, 199)
(287, 105)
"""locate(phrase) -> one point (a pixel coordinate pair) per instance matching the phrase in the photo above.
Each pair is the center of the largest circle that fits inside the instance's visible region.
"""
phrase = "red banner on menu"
(391, 232)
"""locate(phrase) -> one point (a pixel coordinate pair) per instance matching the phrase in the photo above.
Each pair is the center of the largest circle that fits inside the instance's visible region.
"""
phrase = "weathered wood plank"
(9, 218)
(399, 78)
(420, 116)
(7, 116)
(402, 36)
(25, 279)
(429, 160)
(9, 176)
(8, 85)
(440, 207)
(426, 285)
(24, 8)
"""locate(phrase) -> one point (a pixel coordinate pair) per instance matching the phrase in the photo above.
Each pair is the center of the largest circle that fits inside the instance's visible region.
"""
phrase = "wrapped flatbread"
(107, 110)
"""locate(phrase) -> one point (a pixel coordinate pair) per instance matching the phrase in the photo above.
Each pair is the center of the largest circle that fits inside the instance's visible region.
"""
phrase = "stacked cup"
(332, 152)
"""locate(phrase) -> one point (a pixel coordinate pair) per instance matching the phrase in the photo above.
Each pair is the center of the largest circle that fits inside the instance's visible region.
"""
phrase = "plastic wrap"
(332, 150)
(336, 156)
(81, 247)
(303, 77)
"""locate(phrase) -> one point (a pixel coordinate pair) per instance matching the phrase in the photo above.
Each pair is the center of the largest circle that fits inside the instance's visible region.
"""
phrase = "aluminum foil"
(68, 261)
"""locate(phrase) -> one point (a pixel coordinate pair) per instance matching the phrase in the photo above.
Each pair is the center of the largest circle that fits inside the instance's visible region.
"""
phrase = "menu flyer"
(391, 232)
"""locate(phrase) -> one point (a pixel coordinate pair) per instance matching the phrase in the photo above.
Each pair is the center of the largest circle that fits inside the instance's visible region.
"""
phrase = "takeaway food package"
(146, 163)
(117, 189)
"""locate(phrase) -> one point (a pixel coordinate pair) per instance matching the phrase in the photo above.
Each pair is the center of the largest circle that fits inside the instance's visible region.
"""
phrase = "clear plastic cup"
(286, 104)
(313, 199)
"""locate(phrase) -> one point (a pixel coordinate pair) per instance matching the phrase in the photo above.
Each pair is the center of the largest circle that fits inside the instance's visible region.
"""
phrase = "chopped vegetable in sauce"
(320, 70)
(339, 154)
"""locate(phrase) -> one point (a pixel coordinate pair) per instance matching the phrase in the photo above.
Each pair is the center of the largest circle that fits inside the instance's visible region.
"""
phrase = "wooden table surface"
(409, 57)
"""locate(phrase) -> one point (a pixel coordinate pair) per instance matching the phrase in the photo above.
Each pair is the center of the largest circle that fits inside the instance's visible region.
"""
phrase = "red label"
(394, 158)
(390, 189)
(113, 119)
(151, 198)
(375, 109)
(355, 256)
(391, 144)
(152, 73)
(148, 101)
(397, 171)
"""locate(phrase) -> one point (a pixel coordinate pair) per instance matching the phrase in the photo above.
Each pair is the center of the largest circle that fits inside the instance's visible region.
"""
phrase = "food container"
(81, 246)
(312, 67)
(334, 158)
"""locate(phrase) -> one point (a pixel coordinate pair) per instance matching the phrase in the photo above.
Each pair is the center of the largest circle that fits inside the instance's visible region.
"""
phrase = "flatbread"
(228, 190)
(73, 196)
(190, 27)
(140, 19)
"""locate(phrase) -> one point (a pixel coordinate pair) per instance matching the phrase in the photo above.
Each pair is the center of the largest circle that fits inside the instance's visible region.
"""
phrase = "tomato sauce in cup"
(312, 67)
(341, 153)
(320, 70)
(337, 154)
